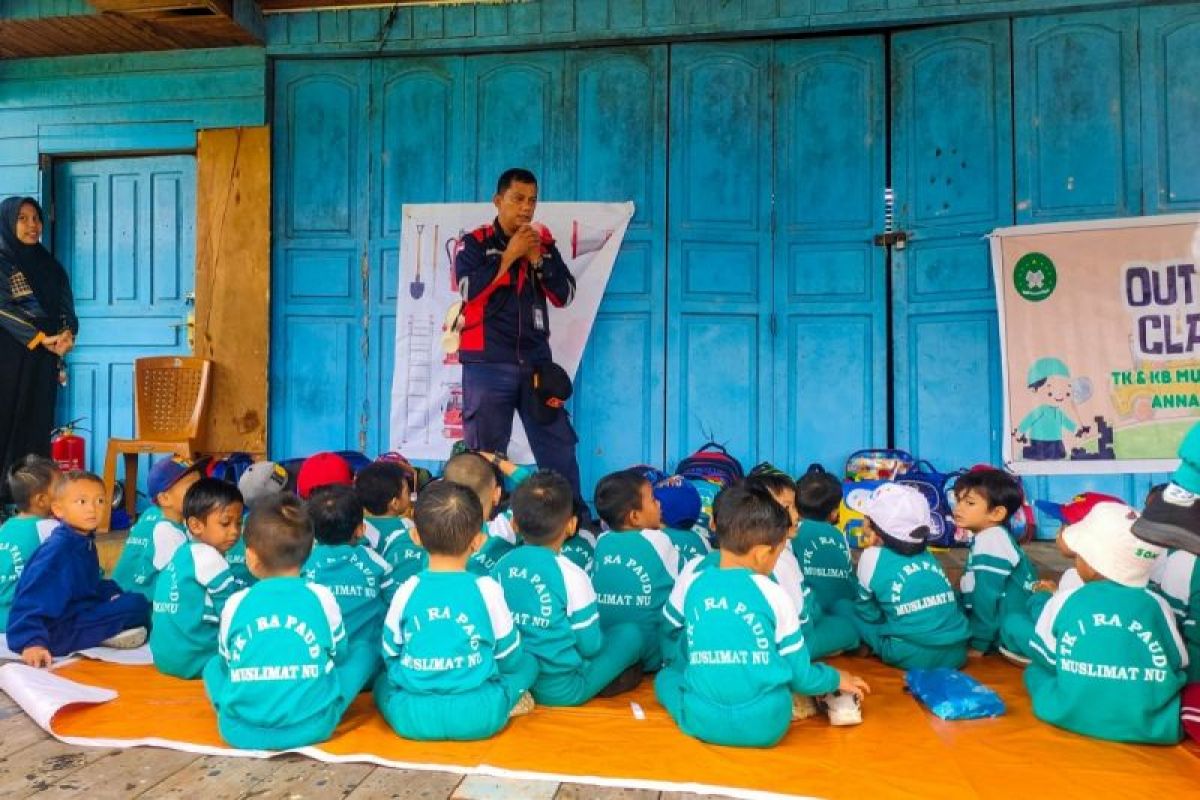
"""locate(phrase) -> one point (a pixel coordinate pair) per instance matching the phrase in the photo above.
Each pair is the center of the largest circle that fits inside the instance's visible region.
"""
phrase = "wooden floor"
(32, 764)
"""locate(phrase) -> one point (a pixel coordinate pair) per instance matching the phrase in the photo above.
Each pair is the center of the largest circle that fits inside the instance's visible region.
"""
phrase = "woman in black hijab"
(37, 328)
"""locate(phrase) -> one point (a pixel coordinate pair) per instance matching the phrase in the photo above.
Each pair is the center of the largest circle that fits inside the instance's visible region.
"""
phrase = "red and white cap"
(1104, 540)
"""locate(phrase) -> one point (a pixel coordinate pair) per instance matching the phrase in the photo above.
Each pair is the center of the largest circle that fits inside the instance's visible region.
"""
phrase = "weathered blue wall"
(121, 103)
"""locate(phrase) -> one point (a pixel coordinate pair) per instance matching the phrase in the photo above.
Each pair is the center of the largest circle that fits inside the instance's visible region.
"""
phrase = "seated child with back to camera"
(906, 610)
(741, 653)
(554, 605)
(454, 665)
(285, 671)
(31, 482)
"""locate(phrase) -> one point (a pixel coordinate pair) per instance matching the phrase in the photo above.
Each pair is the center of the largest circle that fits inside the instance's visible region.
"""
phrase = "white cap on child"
(1104, 540)
(899, 511)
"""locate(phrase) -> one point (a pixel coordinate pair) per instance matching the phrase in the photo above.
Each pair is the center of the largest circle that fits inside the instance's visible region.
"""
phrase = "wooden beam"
(280, 6)
(233, 284)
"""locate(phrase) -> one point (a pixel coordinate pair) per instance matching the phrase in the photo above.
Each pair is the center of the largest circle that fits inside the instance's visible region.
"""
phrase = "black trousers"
(28, 392)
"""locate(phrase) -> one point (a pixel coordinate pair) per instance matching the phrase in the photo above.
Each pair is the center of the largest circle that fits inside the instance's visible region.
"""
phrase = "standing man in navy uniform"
(508, 271)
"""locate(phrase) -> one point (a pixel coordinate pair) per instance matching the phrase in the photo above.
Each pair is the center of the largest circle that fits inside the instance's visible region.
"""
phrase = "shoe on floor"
(524, 706)
(803, 707)
(627, 681)
(127, 639)
(1169, 524)
(843, 708)
(1013, 658)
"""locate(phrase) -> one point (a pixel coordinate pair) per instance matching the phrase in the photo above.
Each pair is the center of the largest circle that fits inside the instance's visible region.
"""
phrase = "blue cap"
(680, 502)
(166, 473)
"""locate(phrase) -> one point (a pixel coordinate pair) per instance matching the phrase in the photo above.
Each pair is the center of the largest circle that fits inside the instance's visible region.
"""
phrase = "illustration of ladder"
(419, 378)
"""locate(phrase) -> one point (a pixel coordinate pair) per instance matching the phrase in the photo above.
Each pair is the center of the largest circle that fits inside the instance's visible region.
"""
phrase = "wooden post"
(233, 284)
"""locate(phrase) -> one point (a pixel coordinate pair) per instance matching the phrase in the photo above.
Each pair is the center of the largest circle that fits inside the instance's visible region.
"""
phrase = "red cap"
(323, 469)
(1077, 507)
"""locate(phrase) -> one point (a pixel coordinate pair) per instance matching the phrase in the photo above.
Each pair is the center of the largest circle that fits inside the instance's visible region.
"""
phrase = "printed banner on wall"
(1100, 334)
(427, 402)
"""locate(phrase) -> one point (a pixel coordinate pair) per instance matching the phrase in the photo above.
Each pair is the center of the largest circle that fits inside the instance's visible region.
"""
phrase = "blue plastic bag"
(951, 694)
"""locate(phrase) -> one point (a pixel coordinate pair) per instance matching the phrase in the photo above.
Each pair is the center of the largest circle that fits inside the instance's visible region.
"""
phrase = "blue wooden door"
(830, 280)
(125, 231)
(719, 262)
(616, 109)
(1078, 125)
(418, 154)
(319, 396)
(952, 173)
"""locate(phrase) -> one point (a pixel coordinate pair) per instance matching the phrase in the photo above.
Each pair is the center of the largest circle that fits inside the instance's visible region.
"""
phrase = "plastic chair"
(171, 393)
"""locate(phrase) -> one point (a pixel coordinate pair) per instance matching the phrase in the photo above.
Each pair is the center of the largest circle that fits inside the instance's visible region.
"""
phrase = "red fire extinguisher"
(67, 449)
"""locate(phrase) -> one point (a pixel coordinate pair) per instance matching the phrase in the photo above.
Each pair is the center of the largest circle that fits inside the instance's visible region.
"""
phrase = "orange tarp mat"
(899, 751)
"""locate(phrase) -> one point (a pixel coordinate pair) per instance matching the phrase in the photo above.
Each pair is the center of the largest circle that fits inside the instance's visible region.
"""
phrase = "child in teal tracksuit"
(826, 633)
(31, 482)
(154, 539)
(636, 564)
(285, 672)
(554, 606)
(906, 610)
(1108, 659)
(1177, 578)
(359, 578)
(475, 471)
(193, 588)
(454, 667)
(679, 504)
(1017, 627)
(385, 490)
(998, 578)
(821, 548)
(741, 652)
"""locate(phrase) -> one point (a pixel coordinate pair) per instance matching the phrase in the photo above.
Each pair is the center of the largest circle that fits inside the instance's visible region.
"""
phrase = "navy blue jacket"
(62, 576)
(500, 320)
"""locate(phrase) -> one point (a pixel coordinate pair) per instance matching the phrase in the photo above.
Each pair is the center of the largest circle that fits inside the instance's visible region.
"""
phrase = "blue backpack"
(935, 486)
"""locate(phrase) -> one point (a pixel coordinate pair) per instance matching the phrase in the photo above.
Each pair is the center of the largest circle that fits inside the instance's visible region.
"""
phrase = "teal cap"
(1047, 368)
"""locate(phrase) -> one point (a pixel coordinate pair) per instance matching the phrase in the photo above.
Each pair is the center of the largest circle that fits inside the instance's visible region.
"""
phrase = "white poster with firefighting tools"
(1100, 333)
(427, 398)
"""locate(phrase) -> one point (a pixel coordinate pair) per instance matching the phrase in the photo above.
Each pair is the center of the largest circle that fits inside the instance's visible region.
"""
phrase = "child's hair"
(76, 476)
(379, 483)
(542, 506)
(899, 545)
(818, 493)
(279, 531)
(995, 486)
(336, 514)
(448, 517)
(474, 472)
(619, 494)
(765, 476)
(29, 477)
(749, 516)
(208, 495)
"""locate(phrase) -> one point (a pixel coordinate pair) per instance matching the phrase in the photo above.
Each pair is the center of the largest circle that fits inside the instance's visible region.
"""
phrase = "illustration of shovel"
(417, 287)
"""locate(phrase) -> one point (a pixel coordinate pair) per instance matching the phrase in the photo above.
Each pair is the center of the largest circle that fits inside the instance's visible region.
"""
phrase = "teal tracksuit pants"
(479, 713)
(352, 675)
(622, 649)
(761, 722)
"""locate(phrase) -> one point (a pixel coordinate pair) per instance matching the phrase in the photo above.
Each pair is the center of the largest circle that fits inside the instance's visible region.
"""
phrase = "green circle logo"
(1035, 277)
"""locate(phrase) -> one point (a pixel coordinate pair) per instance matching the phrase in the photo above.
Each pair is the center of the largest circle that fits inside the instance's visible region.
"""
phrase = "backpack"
(878, 464)
(936, 488)
(230, 468)
(711, 462)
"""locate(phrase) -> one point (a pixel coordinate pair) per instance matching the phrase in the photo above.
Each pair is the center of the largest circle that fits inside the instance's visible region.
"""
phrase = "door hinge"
(773, 324)
(43, 161)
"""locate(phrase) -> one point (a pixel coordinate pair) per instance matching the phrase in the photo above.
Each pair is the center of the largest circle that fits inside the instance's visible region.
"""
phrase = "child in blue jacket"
(62, 605)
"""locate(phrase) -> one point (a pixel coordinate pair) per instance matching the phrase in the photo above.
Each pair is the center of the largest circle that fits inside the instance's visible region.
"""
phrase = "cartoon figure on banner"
(1043, 429)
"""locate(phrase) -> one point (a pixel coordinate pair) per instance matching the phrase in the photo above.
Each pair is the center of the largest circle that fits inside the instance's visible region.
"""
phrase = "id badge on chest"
(539, 320)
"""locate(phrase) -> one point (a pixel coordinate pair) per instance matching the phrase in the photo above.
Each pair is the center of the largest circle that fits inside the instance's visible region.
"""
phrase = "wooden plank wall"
(233, 283)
